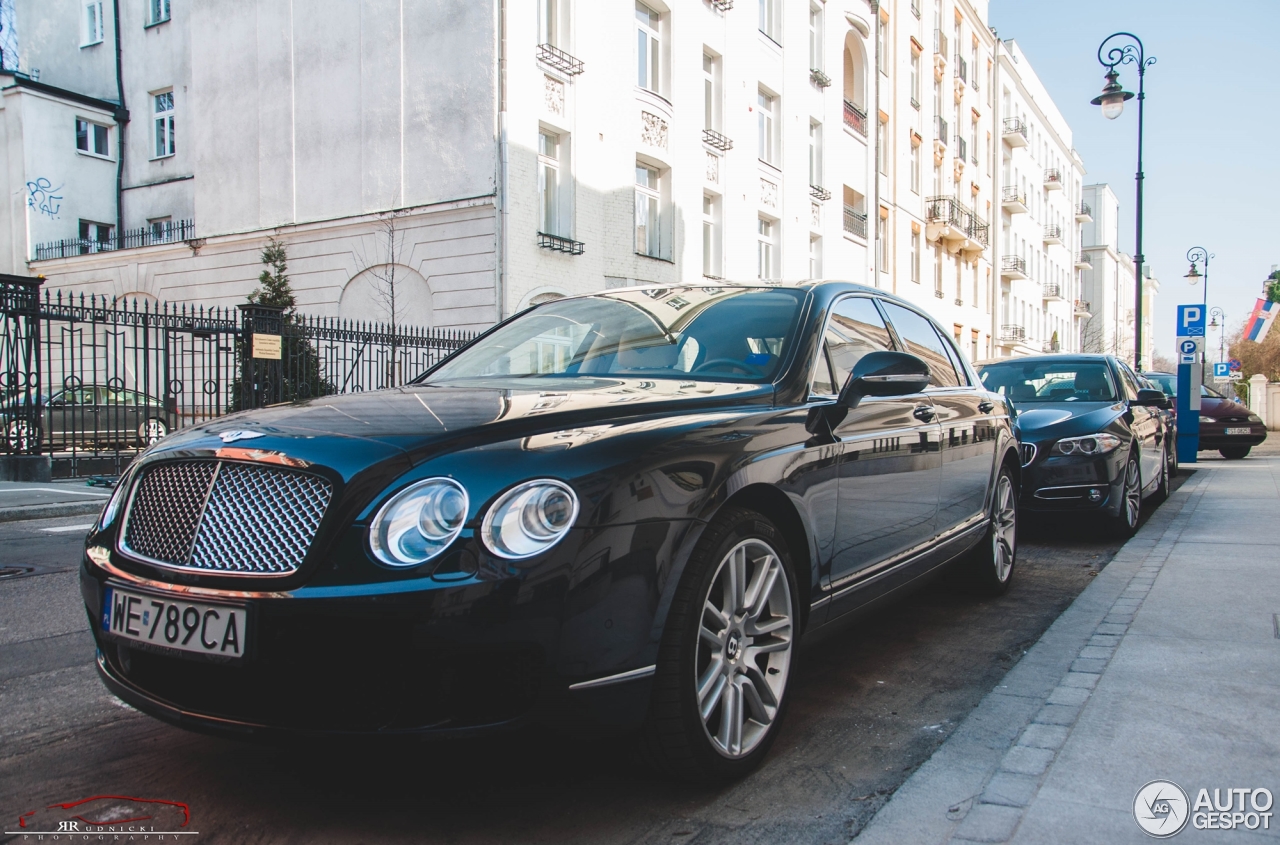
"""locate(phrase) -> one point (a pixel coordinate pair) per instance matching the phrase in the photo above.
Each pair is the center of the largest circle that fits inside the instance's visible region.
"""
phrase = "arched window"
(855, 71)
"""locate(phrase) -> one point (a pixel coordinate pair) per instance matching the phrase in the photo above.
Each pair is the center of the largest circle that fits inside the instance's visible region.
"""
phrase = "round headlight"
(529, 519)
(112, 508)
(419, 522)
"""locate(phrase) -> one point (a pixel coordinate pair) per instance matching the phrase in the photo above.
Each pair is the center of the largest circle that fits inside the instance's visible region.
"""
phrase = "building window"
(937, 271)
(711, 250)
(164, 124)
(882, 54)
(95, 236)
(549, 183)
(92, 23)
(161, 229)
(882, 148)
(915, 79)
(766, 248)
(769, 19)
(815, 258)
(649, 218)
(915, 167)
(711, 108)
(767, 105)
(159, 11)
(548, 22)
(648, 48)
(815, 153)
(882, 251)
(915, 257)
(815, 38)
(92, 138)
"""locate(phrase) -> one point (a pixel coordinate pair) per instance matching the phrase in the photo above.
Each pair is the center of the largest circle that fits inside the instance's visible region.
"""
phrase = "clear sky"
(1212, 132)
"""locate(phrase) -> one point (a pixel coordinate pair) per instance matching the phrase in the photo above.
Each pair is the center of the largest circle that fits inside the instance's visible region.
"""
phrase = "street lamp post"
(1195, 255)
(1112, 100)
(1219, 321)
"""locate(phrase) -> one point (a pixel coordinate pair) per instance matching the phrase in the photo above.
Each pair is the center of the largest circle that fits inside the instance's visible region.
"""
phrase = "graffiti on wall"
(44, 198)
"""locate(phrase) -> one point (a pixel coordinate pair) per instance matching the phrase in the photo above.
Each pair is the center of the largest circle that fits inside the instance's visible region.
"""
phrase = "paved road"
(869, 706)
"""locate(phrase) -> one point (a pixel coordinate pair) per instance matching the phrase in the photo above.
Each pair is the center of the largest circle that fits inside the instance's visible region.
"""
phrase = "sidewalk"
(1167, 667)
(48, 499)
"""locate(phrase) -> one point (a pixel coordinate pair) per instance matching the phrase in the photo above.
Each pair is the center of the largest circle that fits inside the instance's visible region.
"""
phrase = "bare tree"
(381, 264)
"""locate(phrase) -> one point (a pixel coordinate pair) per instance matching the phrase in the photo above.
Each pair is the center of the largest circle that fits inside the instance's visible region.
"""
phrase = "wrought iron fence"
(153, 235)
(90, 381)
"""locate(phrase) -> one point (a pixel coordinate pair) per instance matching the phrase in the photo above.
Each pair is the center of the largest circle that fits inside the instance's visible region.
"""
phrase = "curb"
(976, 786)
(51, 511)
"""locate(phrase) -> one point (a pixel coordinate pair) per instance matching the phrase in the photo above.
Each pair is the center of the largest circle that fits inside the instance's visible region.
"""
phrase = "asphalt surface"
(868, 706)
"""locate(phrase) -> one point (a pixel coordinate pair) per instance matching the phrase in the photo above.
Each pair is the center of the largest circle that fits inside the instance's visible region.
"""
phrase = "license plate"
(1238, 431)
(211, 629)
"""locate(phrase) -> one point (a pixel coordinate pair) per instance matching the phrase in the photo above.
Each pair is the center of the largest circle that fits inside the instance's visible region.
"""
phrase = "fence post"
(261, 377)
(20, 382)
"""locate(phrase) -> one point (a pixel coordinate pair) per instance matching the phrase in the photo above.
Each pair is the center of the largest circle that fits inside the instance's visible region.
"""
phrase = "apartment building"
(1107, 283)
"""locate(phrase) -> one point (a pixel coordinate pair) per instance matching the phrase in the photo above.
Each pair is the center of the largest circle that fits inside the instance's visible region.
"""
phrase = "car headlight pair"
(1089, 444)
(421, 520)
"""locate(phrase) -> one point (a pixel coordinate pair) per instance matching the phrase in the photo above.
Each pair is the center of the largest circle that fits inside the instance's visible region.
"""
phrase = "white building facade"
(498, 154)
(1108, 283)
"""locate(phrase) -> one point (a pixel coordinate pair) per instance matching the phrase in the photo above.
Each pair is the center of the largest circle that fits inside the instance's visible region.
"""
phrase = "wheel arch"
(777, 506)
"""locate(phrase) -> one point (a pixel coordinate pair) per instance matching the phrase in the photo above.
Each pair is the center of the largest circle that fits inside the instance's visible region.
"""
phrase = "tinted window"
(855, 328)
(1130, 381)
(1051, 381)
(1169, 384)
(715, 333)
(923, 341)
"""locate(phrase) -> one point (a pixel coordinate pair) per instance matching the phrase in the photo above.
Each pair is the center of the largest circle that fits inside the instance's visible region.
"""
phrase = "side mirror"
(1151, 398)
(884, 374)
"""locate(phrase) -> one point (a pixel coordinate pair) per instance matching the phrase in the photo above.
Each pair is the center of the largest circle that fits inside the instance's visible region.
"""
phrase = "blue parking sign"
(1222, 370)
(1190, 321)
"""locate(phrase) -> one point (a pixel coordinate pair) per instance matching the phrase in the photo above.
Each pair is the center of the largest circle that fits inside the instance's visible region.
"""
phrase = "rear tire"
(728, 648)
(992, 563)
(151, 431)
(1234, 453)
(1125, 524)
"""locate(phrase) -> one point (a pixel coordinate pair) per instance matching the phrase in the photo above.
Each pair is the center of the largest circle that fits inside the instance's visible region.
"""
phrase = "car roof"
(1060, 356)
(835, 286)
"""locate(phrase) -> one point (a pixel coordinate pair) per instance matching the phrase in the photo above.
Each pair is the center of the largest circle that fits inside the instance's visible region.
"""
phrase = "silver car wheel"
(1132, 493)
(744, 648)
(152, 431)
(1004, 529)
(21, 436)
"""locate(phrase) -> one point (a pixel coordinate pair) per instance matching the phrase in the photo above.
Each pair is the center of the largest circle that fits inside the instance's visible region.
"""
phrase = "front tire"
(151, 432)
(1162, 488)
(991, 566)
(1234, 453)
(1125, 523)
(727, 652)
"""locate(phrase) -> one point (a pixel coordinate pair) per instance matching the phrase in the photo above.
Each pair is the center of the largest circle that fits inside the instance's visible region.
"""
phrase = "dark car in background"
(84, 415)
(622, 509)
(1225, 424)
(1093, 438)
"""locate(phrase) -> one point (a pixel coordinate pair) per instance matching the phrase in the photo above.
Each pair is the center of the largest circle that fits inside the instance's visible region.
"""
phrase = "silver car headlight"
(1090, 444)
(529, 519)
(419, 522)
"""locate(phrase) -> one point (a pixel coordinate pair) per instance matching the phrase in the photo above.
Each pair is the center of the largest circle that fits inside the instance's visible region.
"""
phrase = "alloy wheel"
(1132, 493)
(152, 431)
(20, 436)
(744, 648)
(1004, 529)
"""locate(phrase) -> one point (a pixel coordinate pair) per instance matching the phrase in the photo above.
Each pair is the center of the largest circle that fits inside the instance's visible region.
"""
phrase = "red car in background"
(1225, 425)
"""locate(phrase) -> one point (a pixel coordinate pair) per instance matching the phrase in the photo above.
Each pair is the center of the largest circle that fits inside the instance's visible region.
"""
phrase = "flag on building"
(1264, 313)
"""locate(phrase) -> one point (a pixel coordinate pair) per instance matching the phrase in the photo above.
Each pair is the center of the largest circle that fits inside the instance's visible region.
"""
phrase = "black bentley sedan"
(622, 509)
(1093, 438)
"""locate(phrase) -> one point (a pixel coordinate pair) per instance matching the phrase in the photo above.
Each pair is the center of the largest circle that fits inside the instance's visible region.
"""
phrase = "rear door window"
(923, 341)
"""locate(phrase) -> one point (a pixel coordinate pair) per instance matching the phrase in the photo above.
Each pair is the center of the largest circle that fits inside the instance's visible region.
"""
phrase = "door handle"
(986, 407)
(924, 413)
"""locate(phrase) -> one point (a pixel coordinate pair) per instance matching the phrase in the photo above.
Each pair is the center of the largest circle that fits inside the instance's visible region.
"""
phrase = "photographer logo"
(1161, 808)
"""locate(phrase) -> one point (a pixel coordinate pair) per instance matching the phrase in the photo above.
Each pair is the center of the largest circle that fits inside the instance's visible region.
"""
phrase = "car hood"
(1213, 408)
(416, 422)
(1053, 420)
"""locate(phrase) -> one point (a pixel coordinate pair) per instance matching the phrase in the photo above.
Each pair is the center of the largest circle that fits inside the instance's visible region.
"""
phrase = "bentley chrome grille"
(224, 518)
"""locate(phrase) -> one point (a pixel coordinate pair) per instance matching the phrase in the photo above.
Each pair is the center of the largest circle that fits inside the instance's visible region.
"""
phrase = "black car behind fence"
(87, 382)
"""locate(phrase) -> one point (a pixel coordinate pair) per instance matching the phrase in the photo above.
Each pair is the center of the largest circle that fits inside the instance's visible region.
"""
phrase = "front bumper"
(1213, 435)
(1054, 484)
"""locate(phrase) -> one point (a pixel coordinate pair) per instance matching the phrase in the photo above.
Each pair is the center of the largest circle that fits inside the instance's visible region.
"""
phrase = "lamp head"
(1193, 275)
(1113, 96)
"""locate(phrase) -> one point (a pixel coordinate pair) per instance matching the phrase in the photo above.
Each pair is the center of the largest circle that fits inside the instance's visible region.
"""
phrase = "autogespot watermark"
(1162, 809)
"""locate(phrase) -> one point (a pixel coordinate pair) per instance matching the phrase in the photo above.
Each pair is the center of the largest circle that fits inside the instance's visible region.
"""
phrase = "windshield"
(1051, 381)
(714, 333)
(1169, 384)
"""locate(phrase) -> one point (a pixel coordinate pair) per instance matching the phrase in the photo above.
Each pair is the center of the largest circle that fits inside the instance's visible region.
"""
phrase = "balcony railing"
(819, 193)
(1052, 290)
(955, 214)
(1051, 346)
(559, 59)
(855, 222)
(155, 235)
(1013, 126)
(940, 128)
(712, 138)
(1010, 193)
(855, 118)
(556, 243)
(962, 148)
(1011, 264)
(1082, 306)
(1084, 259)
(1053, 232)
(722, 5)
(1012, 332)
(819, 78)
(1053, 177)
(940, 42)
(962, 68)
(1084, 211)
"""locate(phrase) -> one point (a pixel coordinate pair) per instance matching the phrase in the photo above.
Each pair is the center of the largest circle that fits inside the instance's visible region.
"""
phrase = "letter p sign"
(1190, 321)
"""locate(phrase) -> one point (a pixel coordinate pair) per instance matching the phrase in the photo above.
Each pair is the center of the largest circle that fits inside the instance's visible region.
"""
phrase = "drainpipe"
(503, 212)
(875, 165)
(122, 118)
(997, 210)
